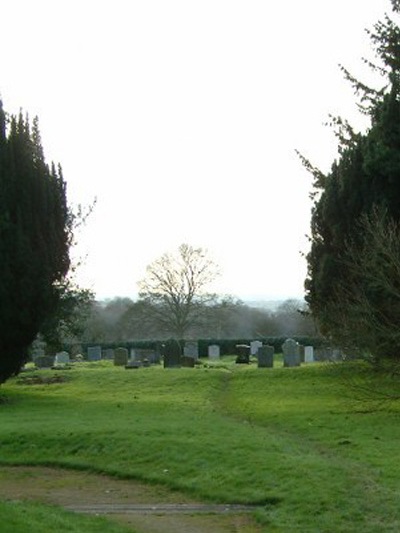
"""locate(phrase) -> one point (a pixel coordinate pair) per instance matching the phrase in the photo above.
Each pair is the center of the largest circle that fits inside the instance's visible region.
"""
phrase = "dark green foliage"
(365, 178)
(35, 235)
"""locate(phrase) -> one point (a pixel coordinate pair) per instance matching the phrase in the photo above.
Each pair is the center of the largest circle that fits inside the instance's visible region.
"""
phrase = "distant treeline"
(121, 321)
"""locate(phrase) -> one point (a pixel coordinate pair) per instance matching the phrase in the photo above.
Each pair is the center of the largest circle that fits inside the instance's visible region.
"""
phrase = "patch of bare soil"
(147, 508)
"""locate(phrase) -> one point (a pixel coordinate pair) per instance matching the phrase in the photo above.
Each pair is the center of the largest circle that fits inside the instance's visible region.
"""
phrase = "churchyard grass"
(292, 442)
(20, 517)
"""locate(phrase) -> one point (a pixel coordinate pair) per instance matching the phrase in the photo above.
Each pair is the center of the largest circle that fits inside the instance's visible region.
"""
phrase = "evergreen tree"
(35, 235)
(364, 180)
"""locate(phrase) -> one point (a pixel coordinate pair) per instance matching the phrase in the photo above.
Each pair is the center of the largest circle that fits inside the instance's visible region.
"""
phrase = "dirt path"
(147, 508)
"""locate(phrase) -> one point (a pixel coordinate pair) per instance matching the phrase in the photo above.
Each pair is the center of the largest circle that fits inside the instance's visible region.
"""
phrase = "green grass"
(291, 441)
(20, 517)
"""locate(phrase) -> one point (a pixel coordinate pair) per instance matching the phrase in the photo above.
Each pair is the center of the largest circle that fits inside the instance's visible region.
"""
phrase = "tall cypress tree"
(35, 236)
(366, 177)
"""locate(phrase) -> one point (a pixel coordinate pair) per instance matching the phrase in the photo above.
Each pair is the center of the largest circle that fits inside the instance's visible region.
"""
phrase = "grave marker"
(291, 353)
(265, 356)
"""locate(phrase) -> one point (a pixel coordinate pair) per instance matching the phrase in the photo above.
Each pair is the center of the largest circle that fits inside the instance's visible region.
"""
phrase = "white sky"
(182, 118)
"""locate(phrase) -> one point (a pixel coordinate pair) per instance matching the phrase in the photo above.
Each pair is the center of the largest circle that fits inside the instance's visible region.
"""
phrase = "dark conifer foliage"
(365, 177)
(35, 235)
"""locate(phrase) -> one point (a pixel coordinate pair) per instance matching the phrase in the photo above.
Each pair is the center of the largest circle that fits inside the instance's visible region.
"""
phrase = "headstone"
(254, 345)
(108, 354)
(94, 353)
(133, 364)
(265, 356)
(172, 360)
(291, 353)
(242, 354)
(213, 352)
(120, 357)
(308, 354)
(146, 355)
(188, 361)
(44, 361)
(191, 349)
(172, 354)
(61, 358)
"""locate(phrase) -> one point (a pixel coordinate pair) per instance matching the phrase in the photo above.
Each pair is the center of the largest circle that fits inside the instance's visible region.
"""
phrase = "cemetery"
(212, 410)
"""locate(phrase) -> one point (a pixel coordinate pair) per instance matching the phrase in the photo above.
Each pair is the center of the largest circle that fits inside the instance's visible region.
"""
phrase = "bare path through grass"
(146, 508)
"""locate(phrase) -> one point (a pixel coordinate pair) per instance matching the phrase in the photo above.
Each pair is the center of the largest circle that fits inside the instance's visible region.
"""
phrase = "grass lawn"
(291, 441)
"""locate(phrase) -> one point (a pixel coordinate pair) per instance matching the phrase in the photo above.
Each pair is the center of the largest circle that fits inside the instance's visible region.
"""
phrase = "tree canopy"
(35, 236)
(364, 179)
(175, 286)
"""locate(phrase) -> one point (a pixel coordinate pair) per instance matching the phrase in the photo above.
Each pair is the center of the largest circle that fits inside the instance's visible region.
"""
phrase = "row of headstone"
(293, 354)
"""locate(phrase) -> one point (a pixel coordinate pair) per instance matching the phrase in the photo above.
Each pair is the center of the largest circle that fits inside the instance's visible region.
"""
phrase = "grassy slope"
(287, 439)
(20, 517)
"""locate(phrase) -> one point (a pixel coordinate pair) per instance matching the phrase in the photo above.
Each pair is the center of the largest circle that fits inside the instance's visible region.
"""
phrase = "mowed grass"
(20, 517)
(290, 441)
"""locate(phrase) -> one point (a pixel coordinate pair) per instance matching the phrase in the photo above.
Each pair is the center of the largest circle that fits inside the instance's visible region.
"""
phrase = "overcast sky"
(182, 118)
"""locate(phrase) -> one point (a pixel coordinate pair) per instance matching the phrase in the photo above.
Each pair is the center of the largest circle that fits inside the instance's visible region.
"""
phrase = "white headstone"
(308, 354)
(254, 345)
(213, 352)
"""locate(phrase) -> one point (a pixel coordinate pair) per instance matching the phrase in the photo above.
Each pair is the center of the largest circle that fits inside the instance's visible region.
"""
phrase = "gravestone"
(147, 355)
(265, 356)
(133, 364)
(191, 349)
(308, 354)
(44, 361)
(254, 345)
(242, 354)
(61, 358)
(291, 353)
(120, 357)
(213, 352)
(188, 361)
(108, 354)
(172, 354)
(172, 360)
(94, 353)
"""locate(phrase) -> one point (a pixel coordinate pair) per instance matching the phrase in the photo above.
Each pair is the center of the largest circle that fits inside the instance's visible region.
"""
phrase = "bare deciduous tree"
(175, 286)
